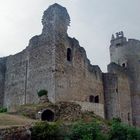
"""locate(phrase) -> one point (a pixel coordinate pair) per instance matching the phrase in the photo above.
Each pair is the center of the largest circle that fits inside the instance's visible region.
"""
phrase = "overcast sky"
(92, 23)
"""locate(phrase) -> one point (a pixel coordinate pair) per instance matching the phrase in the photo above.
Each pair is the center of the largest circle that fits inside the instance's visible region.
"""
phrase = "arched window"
(91, 98)
(69, 54)
(96, 99)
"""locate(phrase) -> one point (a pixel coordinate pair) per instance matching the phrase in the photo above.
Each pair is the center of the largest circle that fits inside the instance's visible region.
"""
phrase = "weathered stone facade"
(125, 53)
(57, 63)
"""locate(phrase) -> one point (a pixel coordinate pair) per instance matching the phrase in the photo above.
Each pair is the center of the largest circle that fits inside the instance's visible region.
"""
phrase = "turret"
(127, 55)
(118, 40)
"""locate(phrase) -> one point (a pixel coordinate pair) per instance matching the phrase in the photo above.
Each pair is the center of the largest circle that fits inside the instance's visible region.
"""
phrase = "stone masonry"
(55, 62)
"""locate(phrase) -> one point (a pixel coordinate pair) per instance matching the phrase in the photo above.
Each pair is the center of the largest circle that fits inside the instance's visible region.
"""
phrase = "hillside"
(9, 120)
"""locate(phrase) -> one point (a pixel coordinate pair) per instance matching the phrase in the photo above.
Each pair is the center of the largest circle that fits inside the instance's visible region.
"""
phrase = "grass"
(8, 120)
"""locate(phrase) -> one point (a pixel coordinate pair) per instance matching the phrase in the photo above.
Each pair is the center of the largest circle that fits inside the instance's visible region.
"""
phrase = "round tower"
(126, 53)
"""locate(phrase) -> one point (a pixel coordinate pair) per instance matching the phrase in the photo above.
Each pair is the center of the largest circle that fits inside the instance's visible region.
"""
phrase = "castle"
(55, 62)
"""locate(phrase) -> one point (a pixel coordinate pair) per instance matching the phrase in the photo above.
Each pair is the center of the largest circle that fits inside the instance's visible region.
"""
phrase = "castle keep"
(57, 63)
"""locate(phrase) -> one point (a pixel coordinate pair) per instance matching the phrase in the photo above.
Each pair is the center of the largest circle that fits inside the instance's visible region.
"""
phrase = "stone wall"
(119, 86)
(127, 54)
(40, 73)
(15, 80)
(97, 108)
(76, 79)
(111, 96)
(2, 79)
(27, 73)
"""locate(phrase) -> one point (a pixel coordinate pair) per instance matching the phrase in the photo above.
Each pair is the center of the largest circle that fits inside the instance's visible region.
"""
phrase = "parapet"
(118, 39)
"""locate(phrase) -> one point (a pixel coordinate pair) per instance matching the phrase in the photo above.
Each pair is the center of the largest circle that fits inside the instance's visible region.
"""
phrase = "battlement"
(118, 39)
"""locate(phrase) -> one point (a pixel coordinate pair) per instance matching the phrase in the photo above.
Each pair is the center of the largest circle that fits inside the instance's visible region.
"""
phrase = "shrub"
(2, 110)
(133, 133)
(42, 92)
(86, 131)
(44, 131)
(120, 131)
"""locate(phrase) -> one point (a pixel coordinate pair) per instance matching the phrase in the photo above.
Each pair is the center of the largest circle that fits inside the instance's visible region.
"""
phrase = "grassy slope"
(7, 120)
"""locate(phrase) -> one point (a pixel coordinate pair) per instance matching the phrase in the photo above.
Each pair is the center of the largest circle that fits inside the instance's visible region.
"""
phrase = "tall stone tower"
(126, 53)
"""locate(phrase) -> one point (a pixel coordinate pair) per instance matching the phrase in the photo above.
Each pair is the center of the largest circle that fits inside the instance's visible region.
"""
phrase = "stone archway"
(47, 115)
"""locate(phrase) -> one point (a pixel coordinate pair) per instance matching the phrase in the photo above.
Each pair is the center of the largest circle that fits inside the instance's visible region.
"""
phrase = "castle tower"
(55, 62)
(126, 53)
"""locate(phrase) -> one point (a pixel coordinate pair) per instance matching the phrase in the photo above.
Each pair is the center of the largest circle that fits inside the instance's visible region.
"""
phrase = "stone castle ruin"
(55, 62)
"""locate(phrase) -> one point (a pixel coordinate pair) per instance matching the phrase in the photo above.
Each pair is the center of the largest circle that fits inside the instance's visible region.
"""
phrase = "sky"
(92, 24)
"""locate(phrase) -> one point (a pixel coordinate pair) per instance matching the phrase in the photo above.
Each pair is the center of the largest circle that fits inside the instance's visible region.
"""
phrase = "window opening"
(91, 98)
(69, 54)
(128, 116)
(97, 99)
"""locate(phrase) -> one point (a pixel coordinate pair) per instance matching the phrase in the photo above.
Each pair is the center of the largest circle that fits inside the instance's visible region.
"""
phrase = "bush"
(44, 131)
(42, 92)
(2, 110)
(120, 131)
(86, 131)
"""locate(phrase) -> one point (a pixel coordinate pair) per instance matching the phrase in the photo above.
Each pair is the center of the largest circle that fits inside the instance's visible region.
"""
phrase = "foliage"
(120, 131)
(86, 131)
(2, 109)
(42, 93)
(44, 130)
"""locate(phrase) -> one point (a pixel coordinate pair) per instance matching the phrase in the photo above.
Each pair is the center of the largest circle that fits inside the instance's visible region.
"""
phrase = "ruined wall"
(76, 79)
(44, 64)
(118, 93)
(15, 80)
(33, 69)
(27, 73)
